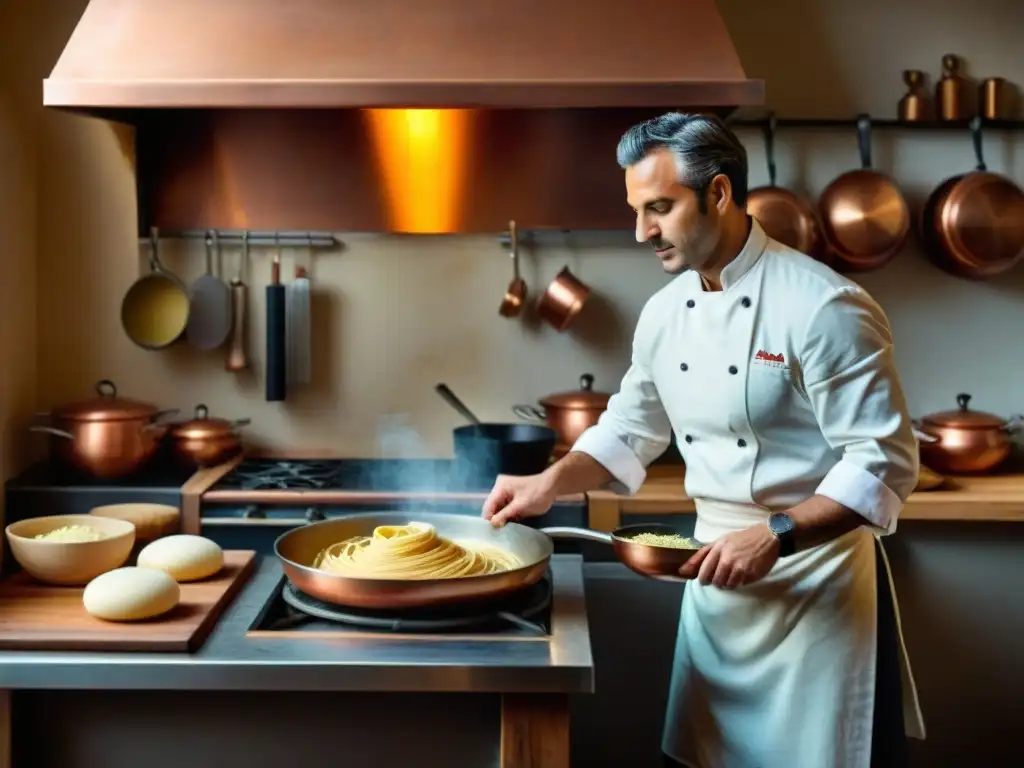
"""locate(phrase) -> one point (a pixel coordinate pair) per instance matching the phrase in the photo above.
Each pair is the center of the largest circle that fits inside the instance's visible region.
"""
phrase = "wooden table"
(993, 498)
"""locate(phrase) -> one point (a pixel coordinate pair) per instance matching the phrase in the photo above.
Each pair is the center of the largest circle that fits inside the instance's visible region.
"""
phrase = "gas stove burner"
(517, 609)
(286, 475)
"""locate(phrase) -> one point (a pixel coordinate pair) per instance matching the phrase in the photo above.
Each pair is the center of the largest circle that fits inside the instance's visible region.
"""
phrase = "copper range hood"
(315, 94)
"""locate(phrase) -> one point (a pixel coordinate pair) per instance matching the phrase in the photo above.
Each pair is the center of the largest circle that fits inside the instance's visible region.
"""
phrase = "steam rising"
(405, 469)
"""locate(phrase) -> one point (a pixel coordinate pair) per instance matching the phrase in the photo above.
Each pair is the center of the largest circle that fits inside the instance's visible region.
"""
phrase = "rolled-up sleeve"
(633, 431)
(851, 382)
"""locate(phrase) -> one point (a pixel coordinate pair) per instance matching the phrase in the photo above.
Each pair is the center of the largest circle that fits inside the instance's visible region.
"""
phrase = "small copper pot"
(964, 441)
(205, 441)
(106, 437)
(570, 414)
(563, 300)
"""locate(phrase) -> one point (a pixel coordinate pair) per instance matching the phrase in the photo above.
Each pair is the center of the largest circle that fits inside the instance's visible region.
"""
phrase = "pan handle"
(529, 413)
(769, 147)
(921, 435)
(975, 126)
(52, 431)
(864, 141)
(584, 534)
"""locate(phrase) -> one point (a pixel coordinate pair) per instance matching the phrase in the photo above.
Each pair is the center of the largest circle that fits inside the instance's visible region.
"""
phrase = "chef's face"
(684, 233)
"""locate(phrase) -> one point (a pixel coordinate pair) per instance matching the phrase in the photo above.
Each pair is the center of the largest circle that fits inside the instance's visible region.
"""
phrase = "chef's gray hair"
(703, 145)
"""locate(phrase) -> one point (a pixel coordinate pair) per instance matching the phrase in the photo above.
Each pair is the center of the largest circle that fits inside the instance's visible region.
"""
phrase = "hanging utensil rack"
(284, 239)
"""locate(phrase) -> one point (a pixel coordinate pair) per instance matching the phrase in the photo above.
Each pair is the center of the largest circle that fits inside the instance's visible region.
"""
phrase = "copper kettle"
(965, 441)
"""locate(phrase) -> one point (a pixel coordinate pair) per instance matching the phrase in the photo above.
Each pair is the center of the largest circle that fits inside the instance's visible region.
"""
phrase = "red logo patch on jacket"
(768, 357)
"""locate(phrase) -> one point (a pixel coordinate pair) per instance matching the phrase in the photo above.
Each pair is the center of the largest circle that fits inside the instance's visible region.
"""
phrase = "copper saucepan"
(661, 563)
(864, 216)
(973, 225)
(570, 414)
(965, 441)
(515, 294)
(204, 441)
(563, 300)
(784, 215)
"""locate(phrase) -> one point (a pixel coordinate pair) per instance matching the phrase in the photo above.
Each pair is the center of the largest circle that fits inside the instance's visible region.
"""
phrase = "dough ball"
(184, 556)
(130, 594)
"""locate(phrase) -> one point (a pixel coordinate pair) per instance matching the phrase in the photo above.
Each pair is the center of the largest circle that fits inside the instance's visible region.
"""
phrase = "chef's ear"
(720, 192)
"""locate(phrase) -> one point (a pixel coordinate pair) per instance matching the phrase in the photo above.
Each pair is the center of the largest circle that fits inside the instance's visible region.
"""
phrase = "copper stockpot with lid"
(204, 441)
(965, 441)
(107, 436)
(570, 414)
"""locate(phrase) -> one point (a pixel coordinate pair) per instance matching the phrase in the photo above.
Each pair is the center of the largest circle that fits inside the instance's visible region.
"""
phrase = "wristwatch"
(782, 527)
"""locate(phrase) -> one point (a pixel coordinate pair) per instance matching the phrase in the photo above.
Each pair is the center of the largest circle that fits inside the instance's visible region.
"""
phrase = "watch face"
(780, 523)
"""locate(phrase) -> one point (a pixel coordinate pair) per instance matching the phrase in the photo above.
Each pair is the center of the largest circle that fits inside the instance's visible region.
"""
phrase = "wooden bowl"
(151, 521)
(70, 563)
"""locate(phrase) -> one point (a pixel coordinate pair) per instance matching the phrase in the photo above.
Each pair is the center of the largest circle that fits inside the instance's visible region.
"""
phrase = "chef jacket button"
(741, 443)
(691, 303)
(733, 369)
(688, 438)
(684, 367)
(745, 301)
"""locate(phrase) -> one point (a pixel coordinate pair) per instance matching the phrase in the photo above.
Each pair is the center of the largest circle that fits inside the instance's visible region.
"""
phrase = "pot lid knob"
(587, 382)
(963, 400)
(106, 388)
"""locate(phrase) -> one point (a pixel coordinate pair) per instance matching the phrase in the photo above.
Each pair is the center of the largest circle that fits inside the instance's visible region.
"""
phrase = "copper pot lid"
(965, 418)
(584, 398)
(106, 406)
(203, 427)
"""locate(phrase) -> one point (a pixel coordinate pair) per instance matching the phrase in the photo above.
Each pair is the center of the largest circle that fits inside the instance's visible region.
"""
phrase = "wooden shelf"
(994, 498)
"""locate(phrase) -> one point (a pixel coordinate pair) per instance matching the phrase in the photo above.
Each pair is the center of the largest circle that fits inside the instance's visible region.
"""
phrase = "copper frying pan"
(661, 563)
(784, 215)
(973, 224)
(864, 216)
(297, 550)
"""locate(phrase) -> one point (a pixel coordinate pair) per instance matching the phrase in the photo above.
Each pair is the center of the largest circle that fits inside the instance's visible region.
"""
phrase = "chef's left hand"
(735, 559)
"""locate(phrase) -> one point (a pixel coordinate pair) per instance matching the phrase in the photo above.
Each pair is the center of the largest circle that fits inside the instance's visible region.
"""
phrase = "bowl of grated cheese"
(70, 550)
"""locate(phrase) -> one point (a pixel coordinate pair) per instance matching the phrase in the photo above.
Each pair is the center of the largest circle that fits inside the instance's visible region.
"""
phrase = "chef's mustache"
(658, 244)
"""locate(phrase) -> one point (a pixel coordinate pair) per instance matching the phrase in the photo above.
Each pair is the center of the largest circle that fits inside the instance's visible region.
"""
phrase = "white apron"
(781, 673)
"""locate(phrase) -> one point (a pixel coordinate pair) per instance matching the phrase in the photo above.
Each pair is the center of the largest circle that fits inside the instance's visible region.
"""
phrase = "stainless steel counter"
(229, 660)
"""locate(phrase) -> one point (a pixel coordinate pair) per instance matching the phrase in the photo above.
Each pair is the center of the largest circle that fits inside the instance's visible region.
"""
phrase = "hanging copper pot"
(864, 215)
(973, 224)
(784, 215)
(965, 441)
(204, 441)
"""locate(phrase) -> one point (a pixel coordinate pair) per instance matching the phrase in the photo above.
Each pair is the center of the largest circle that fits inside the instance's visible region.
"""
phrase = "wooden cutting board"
(40, 617)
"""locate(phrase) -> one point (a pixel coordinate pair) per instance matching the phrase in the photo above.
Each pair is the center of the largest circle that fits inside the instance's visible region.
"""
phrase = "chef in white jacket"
(776, 375)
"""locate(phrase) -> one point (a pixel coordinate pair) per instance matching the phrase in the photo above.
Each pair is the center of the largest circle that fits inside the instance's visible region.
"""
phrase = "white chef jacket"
(778, 387)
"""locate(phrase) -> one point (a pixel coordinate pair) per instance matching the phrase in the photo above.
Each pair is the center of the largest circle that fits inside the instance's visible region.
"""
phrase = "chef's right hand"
(516, 497)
